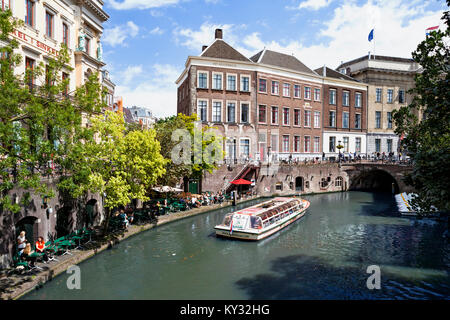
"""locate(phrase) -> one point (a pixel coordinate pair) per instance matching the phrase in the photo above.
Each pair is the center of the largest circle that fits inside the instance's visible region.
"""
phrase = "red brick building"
(270, 103)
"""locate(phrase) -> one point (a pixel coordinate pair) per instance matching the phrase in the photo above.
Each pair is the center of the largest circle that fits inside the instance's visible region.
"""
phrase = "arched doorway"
(299, 181)
(30, 226)
(90, 212)
(64, 221)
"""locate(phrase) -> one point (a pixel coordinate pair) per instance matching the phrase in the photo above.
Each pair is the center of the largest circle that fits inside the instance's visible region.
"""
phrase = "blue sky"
(146, 42)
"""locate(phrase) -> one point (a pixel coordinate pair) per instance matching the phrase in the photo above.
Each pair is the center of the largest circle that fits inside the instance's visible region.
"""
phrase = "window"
(202, 106)
(245, 83)
(244, 148)
(389, 120)
(65, 34)
(377, 145)
(231, 82)
(316, 94)
(297, 117)
(401, 96)
(338, 182)
(231, 112)
(378, 94)
(378, 119)
(274, 118)
(332, 118)
(286, 116)
(332, 145)
(217, 81)
(262, 85)
(390, 95)
(296, 143)
(285, 143)
(333, 96)
(345, 119)
(65, 77)
(316, 144)
(88, 46)
(202, 79)
(307, 144)
(29, 67)
(275, 87)
(345, 144)
(358, 121)
(245, 113)
(345, 98)
(29, 12)
(217, 111)
(5, 5)
(262, 114)
(286, 90)
(358, 144)
(49, 24)
(358, 100)
(296, 91)
(316, 119)
(307, 118)
(274, 142)
(308, 93)
(389, 145)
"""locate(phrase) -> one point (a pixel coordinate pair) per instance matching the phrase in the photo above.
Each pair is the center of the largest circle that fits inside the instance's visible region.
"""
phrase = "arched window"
(338, 182)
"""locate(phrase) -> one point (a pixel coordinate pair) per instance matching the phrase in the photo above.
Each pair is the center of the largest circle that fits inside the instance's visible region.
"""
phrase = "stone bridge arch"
(378, 177)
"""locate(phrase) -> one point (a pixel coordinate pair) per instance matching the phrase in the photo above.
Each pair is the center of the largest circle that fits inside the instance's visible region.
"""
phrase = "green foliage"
(38, 124)
(427, 140)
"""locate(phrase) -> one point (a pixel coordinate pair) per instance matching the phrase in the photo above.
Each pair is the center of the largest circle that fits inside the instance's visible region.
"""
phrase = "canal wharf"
(14, 285)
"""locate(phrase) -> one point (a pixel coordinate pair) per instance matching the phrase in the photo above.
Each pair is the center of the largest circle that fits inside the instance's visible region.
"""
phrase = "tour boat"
(262, 220)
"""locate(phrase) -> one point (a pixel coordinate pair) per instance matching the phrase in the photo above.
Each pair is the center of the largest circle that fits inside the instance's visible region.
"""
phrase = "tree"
(38, 124)
(118, 163)
(427, 141)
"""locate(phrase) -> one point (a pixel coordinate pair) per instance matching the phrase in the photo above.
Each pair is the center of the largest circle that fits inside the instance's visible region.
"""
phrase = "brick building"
(267, 106)
(344, 113)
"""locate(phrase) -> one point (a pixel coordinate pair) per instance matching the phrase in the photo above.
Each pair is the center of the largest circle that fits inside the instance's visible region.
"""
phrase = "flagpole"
(374, 43)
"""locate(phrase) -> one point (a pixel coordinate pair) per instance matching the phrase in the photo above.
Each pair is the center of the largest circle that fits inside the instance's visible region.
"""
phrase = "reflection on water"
(324, 255)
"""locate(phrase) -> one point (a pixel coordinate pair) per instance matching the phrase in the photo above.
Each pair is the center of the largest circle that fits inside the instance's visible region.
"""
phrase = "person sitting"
(40, 247)
(21, 242)
(130, 217)
(123, 217)
(26, 254)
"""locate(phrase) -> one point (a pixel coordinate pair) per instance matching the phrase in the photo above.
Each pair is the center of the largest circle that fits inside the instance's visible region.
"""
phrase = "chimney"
(204, 48)
(218, 34)
(324, 72)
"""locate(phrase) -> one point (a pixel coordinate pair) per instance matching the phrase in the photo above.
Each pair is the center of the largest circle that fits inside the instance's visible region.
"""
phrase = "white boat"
(262, 220)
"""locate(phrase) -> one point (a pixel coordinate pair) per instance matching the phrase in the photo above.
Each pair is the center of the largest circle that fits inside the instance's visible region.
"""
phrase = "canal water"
(324, 255)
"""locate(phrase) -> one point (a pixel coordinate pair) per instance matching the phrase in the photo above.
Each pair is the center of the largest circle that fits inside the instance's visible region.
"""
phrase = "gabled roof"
(222, 50)
(334, 74)
(280, 60)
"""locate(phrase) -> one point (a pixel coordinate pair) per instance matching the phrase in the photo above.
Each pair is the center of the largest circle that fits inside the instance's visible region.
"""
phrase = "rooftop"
(282, 60)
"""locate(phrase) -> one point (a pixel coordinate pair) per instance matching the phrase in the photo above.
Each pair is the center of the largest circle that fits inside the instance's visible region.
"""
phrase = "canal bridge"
(377, 176)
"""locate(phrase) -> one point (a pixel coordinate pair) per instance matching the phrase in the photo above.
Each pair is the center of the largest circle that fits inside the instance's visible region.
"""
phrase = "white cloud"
(195, 39)
(141, 4)
(399, 28)
(130, 73)
(157, 31)
(312, 4)
(157, 92)
(117, 35)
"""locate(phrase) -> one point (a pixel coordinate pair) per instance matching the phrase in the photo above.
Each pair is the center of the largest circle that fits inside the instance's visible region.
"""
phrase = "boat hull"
(222, 231)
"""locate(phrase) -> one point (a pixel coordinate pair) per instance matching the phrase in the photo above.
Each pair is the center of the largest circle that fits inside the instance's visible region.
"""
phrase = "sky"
(146, 42)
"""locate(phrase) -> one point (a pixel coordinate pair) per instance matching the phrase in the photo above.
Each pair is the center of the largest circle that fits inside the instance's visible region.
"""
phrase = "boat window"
(227, 219)
(255, 222)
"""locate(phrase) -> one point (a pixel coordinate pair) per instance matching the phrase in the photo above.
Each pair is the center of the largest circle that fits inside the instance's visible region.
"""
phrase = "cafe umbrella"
(240, 182)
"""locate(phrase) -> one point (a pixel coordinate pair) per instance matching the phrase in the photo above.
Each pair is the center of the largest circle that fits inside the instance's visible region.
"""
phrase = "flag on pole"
(371, 35)
(231, 225)
(428, 31)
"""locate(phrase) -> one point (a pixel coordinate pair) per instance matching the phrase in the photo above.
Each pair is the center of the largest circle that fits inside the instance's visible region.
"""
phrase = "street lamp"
(339, 146)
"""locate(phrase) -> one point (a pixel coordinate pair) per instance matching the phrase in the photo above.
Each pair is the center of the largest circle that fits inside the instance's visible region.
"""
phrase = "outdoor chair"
(51, 250)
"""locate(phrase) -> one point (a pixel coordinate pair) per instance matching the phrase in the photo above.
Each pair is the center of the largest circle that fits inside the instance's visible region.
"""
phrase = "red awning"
(241, 181)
